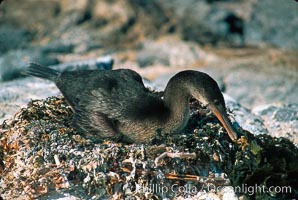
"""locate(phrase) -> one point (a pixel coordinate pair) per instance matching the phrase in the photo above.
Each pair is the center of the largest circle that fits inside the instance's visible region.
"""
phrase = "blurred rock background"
(249, 46)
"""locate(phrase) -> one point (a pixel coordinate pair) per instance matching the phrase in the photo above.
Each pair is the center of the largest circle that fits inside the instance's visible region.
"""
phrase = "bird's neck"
(177, 101)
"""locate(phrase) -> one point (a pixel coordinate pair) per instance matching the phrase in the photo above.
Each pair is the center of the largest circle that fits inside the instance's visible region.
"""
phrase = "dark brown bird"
(116, 105)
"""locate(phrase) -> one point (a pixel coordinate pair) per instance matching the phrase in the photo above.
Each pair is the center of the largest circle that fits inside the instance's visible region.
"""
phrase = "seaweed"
(42, 155)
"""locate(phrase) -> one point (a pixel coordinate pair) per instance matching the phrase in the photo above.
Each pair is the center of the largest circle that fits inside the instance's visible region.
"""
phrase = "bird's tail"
(40, 71)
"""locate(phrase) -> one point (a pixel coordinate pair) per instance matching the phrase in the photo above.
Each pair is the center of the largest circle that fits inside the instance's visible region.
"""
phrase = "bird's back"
(116, 93)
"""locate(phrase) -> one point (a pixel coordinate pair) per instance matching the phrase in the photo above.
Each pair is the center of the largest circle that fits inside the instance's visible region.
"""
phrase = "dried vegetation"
(41, 156)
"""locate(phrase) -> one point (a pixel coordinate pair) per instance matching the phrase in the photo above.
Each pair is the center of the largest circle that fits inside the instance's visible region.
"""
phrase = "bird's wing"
(115, 99)
(95, 125)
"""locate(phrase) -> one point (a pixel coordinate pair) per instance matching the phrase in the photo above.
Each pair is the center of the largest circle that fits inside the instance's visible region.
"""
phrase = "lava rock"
(13, 38)
(100, 63)
(205, 23)
(17, 93)
(274, 22)
(251, 86)
(169, 51)
(244, 118)
(58, 47)
(13, 62)
(280, 119)
(160, 82)
(34, 16)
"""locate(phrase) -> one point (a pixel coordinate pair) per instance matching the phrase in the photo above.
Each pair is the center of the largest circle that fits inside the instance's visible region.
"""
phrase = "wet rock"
(58, 47)
(212, 1)
(100, 63)
(13, 62)
(117, 14)
(192, 27)
(251, 86)
(35, 17)
(73, 5)
(236, 22)
(169, 51)
(206, 22)
(280, 120)
(15, 94)
(74, 40)
(161, 81)
(73, 12)
(226, 25)
(13, 38)
(244, 118)
(115, 20)
(150, 19)
(274, 22)
(212, 24)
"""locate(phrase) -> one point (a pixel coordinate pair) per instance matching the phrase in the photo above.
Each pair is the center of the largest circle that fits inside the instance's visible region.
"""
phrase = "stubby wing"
(102, 109)
(95, 125)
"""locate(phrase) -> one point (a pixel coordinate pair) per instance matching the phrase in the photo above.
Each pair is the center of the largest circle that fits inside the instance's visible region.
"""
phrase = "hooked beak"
(222, 116)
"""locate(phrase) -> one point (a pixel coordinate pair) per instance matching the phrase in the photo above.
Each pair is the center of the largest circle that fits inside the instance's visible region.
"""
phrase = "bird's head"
(205, 89)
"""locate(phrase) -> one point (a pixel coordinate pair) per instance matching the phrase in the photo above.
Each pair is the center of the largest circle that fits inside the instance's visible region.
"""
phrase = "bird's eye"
(216, 102)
